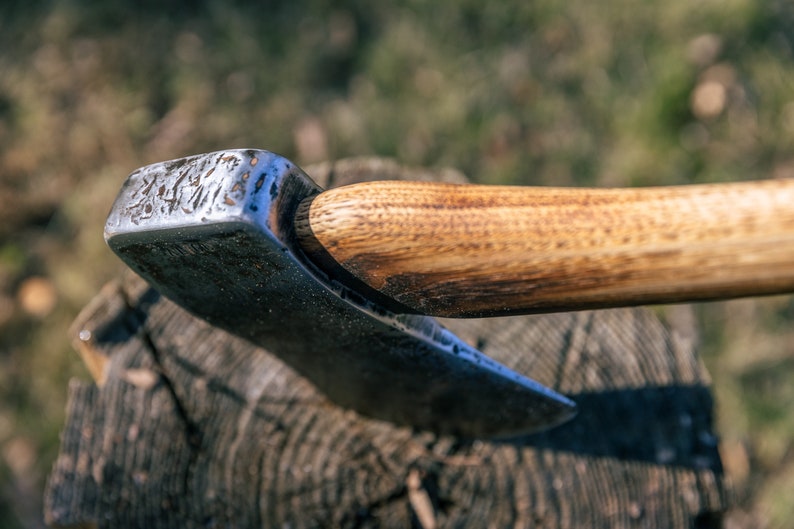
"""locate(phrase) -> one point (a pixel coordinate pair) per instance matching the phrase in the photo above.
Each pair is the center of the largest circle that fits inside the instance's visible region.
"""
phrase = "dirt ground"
(578, 93)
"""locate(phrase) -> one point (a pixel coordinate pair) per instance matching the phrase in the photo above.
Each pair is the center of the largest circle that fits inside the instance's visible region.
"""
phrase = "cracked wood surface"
(187, 426)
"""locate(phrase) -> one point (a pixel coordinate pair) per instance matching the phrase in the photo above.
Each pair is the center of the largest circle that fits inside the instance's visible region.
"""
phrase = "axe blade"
(214, 233)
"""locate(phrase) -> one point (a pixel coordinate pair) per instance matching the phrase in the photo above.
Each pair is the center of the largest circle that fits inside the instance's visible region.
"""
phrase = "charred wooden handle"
(467, 250)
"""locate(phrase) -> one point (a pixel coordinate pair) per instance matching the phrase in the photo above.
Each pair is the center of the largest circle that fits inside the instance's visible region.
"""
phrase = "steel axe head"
(214, 233)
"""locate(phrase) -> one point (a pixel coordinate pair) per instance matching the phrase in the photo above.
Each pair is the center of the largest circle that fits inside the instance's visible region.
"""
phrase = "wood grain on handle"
(467, 250)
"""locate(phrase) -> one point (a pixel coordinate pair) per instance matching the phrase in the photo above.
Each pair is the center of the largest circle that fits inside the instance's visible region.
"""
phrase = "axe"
(341, 284)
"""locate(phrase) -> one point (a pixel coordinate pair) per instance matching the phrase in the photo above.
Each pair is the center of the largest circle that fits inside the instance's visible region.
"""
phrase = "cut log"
(187, 426)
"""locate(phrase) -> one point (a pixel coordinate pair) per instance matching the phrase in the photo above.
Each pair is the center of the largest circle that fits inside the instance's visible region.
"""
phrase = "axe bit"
(216, 234)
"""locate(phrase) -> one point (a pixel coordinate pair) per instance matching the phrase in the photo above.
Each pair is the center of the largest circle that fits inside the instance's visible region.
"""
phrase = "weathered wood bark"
(188, 426)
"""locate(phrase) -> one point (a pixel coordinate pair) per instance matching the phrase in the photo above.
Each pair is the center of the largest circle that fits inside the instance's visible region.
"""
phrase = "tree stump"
(188, 426)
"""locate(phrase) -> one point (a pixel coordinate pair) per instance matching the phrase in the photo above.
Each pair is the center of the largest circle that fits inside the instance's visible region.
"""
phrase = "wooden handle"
(467, 250)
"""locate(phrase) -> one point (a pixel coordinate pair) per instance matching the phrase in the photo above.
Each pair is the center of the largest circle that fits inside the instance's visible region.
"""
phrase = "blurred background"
(611, 93)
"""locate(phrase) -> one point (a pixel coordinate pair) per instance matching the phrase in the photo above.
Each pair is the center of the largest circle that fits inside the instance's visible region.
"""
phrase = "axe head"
(214, 233)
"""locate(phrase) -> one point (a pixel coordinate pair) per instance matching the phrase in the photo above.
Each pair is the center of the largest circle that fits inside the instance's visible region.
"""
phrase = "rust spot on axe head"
(237, 264)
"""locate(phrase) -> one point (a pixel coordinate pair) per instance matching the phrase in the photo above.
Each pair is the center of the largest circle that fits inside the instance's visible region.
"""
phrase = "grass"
(573, 93)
